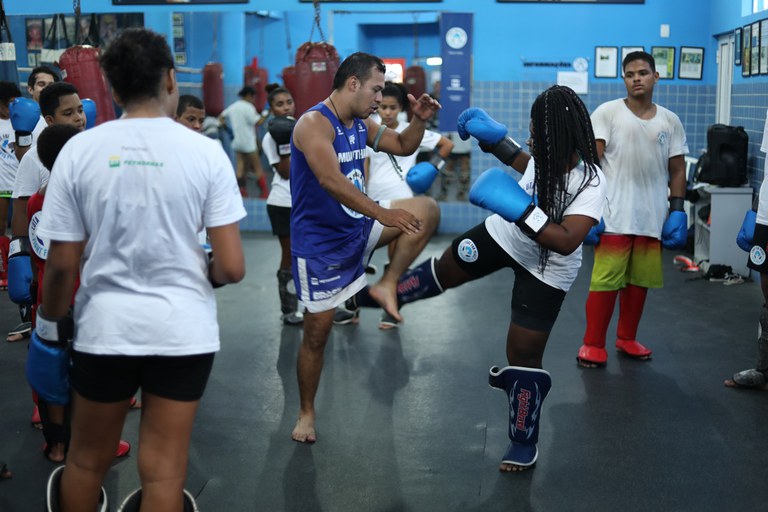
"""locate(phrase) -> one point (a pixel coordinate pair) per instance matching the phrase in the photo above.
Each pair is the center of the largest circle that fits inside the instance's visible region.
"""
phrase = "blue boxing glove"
(747, 231)
(48, 359)
(674, 232)
(497, 191)
(491, 134)
(477, 123)
(593, 237)
(19, 271)
(25, 114)
(89, 109)
(422, 175)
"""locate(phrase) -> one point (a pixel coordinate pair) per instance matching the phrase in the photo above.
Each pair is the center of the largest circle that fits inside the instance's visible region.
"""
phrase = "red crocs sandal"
(591, 356)
(633, 348)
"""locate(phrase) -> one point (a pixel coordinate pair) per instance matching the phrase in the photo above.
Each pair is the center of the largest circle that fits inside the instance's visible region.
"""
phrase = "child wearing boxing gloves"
(537, 229)
(276, 145)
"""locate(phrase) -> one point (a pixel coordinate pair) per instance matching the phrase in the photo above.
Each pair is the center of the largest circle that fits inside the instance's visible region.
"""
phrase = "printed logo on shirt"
(6, 149)
(39, 244)
(757, 255)
(360, 127)
(114, 161)
(358, 180)
(468, 251)
(352, 140)
(663, 138)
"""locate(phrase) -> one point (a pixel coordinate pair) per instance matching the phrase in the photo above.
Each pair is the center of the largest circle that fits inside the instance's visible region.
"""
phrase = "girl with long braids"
(537, 229)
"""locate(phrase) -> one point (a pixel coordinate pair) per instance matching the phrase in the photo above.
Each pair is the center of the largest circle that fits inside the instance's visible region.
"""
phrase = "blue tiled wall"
(748, 109)
(510, 103)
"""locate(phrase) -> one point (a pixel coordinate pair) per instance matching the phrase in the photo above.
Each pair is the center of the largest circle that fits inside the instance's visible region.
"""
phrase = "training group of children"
(105, 318)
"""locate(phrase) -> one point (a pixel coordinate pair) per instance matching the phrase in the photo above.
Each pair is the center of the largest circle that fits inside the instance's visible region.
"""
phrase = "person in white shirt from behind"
(124, 204)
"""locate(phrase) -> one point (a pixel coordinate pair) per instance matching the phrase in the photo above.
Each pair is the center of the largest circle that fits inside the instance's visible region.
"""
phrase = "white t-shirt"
(561, 270)
(242, 116)
(762, 207)
(139, 191)
(8, 161)
(386, 173)
(31, 175)
(636, 164)
(280, 193)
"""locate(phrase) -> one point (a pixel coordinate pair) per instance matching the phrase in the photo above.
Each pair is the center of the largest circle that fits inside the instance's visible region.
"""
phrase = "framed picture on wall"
(691, 63)
(746, 53)
(606, 61)
(665, 61)
(626, 50)
(737, 47)
(764, 47)
(754, 68)
(34, 33)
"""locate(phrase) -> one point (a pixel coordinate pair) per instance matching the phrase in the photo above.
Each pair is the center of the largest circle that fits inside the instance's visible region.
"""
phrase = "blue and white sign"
(455, 74)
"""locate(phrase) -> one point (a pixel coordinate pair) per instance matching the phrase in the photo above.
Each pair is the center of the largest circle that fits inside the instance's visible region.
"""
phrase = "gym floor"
(407, 421)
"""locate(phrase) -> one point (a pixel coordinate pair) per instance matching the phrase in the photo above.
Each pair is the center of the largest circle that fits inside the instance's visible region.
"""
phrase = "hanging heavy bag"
(55, 43)
(316, 65)
(80, 67)
(9, 72)
(213, 88)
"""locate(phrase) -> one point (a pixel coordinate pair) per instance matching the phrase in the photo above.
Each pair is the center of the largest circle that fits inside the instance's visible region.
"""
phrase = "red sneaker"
(633, 348)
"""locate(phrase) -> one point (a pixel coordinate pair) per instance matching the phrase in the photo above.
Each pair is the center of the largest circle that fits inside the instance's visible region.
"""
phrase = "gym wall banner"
(455, 73)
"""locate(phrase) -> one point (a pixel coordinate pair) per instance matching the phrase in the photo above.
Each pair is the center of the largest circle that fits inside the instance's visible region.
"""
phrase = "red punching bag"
(80, 67)
(258, 79)
(289, 80)
(415, 82)
(316, 65)
(213, 88)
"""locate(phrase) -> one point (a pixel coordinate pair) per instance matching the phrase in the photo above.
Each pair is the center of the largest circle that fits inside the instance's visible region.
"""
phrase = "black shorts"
(107, 378)
(280, 218)
(757, 255)
(535, 304)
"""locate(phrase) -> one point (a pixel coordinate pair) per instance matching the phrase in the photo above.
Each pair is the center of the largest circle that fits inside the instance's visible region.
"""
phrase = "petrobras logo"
(39, 244)
(358, 180)
(456, 38)
(757, 255)
(468, 251)
(114, 161)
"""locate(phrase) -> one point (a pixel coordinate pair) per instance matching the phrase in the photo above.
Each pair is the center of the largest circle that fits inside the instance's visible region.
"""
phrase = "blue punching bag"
(8, 70)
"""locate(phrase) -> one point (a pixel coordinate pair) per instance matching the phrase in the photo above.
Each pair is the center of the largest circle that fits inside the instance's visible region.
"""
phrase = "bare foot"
(512, 468)
(56, 453)
(304, 431)
(386, 296)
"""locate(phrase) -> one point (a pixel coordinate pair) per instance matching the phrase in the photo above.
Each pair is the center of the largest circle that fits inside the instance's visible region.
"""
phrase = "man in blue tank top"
(334, 226)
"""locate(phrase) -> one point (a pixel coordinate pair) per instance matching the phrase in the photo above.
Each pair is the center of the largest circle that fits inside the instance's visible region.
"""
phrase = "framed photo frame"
(754, 58)
(626, 50)
(737, 47)
(35, 33)
(606, 61)
(746, 53)
(665, 61)
(764, 47)
(691, 63)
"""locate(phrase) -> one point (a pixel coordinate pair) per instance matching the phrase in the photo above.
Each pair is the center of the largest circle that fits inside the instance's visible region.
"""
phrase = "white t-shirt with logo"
(636, 164)
(242, 116)
(9, 164)
(31, 175)
(280, 193)
(139, 191)
(386, 173)
(762, 207)
(560, 270)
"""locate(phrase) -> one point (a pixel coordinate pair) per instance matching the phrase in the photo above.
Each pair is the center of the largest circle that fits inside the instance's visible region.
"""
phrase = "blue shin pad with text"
(526, 389)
